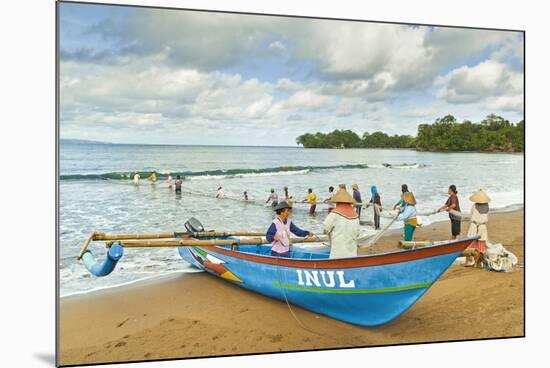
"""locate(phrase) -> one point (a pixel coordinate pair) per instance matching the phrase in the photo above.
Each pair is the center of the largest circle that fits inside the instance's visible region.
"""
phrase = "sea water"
(97, 193)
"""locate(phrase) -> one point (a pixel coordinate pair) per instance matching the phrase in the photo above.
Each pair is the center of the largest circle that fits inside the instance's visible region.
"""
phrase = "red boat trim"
(376, 260)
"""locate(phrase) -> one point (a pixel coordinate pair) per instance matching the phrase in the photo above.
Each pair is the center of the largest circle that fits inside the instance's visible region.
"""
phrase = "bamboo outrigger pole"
(200, 243)
(97, 236)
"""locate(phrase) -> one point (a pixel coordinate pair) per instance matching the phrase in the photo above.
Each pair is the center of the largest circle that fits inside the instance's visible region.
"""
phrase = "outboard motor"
(194, 225)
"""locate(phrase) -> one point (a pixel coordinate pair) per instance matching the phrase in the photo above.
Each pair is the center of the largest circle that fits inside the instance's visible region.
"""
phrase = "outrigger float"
(367, 290)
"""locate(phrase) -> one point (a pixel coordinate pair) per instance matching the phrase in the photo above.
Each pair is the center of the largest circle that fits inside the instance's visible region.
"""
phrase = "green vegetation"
(493, 134)
(349, 139)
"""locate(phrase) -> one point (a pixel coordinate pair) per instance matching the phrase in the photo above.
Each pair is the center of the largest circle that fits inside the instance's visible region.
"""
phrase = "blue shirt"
(293, 229)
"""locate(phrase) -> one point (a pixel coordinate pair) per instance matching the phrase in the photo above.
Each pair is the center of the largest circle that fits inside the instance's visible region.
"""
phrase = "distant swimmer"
(170, 181)
(273, 197)
(331, 205)
(311, 198)
(220, 194)
(153, 177)
(136, 178)
(245, 194)
(179, 182)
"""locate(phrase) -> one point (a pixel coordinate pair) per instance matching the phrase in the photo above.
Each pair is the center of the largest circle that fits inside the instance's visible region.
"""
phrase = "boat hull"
(366, 290)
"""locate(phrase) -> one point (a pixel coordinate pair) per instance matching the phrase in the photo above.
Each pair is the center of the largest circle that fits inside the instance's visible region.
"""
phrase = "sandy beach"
(192, 315)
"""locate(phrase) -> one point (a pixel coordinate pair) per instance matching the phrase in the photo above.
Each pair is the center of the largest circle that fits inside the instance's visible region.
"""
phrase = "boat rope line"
(288, 304)
(282, 288)
(354, 291)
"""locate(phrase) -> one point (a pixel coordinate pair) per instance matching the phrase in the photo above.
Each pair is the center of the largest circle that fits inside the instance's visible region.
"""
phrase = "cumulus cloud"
(490, 80)
(159, 70)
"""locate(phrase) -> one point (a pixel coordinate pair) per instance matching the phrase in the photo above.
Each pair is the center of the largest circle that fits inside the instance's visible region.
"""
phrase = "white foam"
(247, 175)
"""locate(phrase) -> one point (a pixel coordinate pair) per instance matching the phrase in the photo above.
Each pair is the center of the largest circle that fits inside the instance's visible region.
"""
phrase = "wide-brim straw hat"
(480, 197)
(281, 205)
(342, 196)
(409, 198)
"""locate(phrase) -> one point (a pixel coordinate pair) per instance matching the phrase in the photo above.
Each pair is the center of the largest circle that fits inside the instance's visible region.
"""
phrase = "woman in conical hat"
(342, 225)
(480, 197)
(408, 215)
(479, 216)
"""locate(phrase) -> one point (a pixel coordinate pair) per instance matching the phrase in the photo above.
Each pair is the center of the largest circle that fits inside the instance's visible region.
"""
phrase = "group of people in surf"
(343, 226)
(172, 184)
(311, 198)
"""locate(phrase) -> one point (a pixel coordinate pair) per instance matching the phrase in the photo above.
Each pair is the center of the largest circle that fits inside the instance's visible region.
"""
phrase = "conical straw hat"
(409, 198)
(342, 196)
(355, 186)
(480, 197)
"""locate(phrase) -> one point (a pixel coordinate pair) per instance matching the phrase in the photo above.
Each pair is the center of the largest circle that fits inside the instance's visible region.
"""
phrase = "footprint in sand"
(148, 355)
(122, 343)
(276, 338)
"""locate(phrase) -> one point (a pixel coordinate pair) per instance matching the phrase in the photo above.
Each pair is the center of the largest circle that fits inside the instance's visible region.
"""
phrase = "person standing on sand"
(342, 225)
(331, 205)
(376, 205)
(273, 197)
(279, 231)
(178, 184)
(220, 194)
(357, 198)
(170, 181)
(479, 216)
(453, 204)
(136, 178)
(408, 215)
(312, 199)
(400, 203)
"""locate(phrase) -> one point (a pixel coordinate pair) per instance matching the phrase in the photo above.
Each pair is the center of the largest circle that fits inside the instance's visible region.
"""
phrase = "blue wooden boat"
(367, 290)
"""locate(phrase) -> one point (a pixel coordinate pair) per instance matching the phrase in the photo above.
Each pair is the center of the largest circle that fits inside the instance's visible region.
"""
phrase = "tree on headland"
(492, 134)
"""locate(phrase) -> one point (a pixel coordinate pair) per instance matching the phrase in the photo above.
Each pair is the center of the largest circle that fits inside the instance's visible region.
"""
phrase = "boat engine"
(194, 225)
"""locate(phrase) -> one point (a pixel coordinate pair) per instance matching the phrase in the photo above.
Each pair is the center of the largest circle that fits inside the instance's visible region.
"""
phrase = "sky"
(139, 75)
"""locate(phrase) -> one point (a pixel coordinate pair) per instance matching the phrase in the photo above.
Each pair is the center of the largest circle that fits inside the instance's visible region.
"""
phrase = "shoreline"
(196, 314)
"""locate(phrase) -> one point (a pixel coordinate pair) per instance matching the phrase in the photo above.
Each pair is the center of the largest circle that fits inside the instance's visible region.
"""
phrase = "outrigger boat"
(367, 290)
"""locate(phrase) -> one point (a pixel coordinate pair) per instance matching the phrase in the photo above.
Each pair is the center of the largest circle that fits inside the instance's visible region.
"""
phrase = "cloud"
(489, 80)
(167, 71)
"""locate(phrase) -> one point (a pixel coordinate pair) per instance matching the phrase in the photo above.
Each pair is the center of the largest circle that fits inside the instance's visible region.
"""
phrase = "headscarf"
(373, 190)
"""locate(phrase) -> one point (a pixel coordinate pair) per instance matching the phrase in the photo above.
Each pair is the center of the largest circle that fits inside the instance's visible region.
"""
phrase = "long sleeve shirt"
(343, 233)
(293, 229)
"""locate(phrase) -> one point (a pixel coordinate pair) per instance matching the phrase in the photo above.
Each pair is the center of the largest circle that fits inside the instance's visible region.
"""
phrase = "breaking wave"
(233, 173)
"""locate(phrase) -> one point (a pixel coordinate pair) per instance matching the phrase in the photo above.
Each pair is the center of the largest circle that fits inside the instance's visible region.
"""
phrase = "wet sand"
(196, 314)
